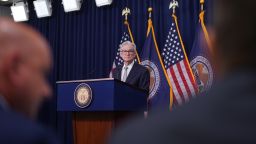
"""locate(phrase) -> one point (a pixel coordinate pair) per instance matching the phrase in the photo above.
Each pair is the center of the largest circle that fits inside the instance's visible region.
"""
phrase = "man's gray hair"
(127, 43)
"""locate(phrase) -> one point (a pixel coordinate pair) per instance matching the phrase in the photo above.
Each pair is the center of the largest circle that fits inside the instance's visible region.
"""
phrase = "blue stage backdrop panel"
(84, 42)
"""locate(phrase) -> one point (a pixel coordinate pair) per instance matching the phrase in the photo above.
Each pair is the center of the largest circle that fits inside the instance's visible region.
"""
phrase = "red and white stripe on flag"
(182, 82)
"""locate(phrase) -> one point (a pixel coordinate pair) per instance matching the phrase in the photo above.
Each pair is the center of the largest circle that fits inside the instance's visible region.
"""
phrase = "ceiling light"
(71, 5)
(20, 11)
(103, 2)
(43, 8)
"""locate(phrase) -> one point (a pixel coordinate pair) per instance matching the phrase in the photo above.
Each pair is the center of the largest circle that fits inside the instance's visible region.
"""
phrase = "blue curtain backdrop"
(84, 42)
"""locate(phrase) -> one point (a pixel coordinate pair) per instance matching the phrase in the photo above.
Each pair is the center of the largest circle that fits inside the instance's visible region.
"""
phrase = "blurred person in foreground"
(25, 60)
(226, 113)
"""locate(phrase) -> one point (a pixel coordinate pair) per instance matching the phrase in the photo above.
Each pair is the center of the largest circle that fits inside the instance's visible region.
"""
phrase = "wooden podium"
(110, 102)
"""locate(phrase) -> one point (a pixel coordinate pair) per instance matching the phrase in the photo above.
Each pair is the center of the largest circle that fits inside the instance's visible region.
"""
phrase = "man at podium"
(131, 72)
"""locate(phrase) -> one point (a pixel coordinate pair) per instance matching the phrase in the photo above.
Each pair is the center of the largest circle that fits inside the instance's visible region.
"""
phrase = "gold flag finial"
(126, 11)
(202, 4)
(173, 5)
(150, 9)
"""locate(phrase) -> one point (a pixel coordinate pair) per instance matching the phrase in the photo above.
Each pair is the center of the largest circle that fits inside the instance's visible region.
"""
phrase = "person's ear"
(134, 54)
(12, 68)
(121, 54)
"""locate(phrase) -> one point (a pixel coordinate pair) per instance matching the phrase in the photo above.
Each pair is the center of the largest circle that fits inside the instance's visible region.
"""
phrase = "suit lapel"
(132, 72)
(119, 72)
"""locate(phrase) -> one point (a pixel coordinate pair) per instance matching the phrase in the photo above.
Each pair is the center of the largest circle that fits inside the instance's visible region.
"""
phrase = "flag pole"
(150, 9)
(202, 5)
(150, 12)
(148, 30)
(150, 27)
(201, 18)
(173, 6)
(126, 11)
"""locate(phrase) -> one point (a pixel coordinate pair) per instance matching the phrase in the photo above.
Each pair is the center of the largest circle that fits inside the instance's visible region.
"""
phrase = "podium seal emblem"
(83, 95)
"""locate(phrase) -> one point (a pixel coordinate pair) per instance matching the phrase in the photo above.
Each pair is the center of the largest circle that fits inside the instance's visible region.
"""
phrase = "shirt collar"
(130, 65)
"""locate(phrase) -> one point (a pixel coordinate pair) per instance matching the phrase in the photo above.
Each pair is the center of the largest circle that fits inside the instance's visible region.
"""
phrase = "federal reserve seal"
(154, 77)
(203, 72)
(83, 95)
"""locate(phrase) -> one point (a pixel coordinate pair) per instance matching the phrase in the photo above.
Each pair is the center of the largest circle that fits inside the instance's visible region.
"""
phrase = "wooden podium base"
(112, 101)
(95, 127)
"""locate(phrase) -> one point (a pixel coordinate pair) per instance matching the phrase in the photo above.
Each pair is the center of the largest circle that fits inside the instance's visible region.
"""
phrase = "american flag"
(177, 67)
(118, 60)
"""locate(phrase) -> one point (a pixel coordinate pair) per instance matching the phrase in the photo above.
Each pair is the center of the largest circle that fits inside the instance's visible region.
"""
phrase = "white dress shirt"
(128, 70)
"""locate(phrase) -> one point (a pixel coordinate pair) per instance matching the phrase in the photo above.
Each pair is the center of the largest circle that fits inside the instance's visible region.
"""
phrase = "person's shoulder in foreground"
(16, 129)
(227, 112)
(220, 116)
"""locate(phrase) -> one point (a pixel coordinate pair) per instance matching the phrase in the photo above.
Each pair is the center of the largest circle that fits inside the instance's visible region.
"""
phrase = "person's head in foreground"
(25, 61)
(235, 34)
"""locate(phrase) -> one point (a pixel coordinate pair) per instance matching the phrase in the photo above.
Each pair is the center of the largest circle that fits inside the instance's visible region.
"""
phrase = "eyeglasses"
(127, 51)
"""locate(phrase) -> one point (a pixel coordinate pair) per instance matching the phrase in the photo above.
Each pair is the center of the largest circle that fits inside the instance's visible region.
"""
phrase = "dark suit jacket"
(138, 76)
(224, 115)
(16, 129)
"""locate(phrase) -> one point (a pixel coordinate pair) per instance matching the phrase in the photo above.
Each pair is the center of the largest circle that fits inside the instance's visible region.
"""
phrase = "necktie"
(125, 74)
